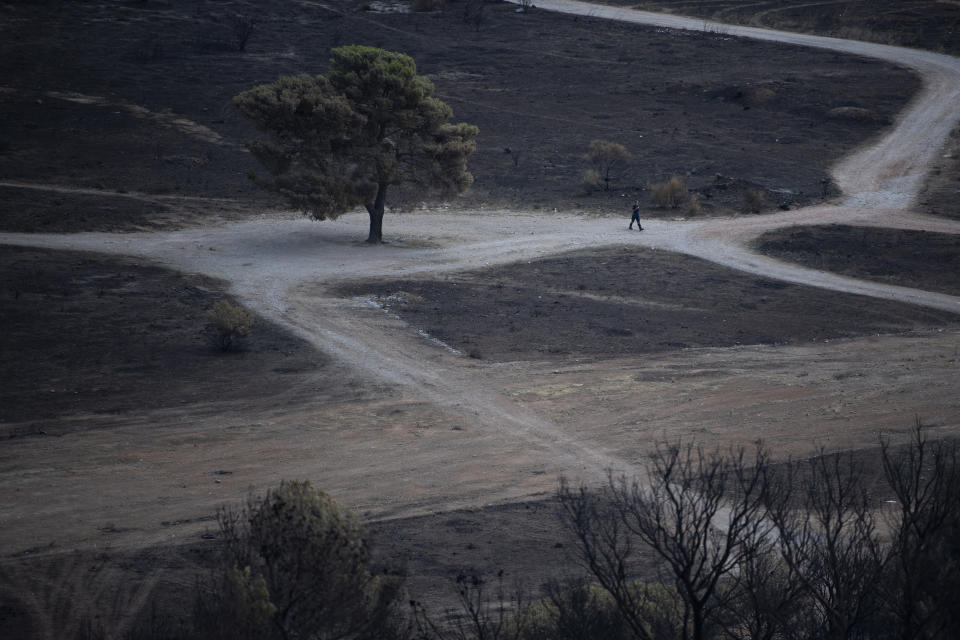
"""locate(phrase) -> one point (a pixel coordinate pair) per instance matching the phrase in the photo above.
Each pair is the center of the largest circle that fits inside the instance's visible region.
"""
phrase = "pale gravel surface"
(282, 266)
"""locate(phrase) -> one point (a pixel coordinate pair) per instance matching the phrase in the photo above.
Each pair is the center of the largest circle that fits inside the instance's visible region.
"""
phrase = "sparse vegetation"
(572, 612)
(229, 324)
(202, 95)
(295, 565)
(607, 158)
(592, 181)
(670, 194)
(795, 550)
(743, 548)
(486, 611)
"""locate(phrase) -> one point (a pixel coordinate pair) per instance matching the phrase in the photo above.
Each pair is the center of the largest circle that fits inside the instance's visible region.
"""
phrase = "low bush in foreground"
(743, 549)
(295, 565)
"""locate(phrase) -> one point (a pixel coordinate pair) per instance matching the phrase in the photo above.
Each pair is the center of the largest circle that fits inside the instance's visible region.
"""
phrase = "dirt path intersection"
(440, 431)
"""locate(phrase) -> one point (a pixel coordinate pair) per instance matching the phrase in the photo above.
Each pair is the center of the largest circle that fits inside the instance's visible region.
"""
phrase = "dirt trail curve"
(283, 266)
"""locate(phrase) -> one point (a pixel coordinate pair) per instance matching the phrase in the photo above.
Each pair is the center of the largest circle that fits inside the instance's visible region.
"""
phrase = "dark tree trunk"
(376, 215)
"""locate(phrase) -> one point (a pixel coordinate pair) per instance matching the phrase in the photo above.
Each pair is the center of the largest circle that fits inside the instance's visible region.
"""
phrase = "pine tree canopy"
(337, 141)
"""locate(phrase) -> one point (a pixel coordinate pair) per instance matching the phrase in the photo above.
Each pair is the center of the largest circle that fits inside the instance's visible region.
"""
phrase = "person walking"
(635, 217)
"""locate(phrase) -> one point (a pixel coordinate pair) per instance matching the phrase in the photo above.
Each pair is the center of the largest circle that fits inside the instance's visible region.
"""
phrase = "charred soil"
(94, 334)
(625, 301)
(916, 259)
(136, 98)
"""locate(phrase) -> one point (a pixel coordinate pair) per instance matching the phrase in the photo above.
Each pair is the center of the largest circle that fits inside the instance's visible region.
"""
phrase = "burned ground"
(627, 301)
(94, 334)
(147, 107)
(923, 24)
(916, 259)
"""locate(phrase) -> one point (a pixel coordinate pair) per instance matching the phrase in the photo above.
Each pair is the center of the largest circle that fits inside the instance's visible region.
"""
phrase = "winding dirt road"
(451, 432)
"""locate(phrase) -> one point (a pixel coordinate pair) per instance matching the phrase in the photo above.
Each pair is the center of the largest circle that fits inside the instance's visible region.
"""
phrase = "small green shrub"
(229, 324)
(670, 194)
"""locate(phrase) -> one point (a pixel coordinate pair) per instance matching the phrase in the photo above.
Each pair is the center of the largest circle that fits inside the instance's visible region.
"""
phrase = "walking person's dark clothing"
(635, 217)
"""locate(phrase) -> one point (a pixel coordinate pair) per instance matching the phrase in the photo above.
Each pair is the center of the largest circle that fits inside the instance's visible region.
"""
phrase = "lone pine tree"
(340, 140)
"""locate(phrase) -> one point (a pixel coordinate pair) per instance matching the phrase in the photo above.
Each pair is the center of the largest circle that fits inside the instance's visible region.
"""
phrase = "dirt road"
(450, 432)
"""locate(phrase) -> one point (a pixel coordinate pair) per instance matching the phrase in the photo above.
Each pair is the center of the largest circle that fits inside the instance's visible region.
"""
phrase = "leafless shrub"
(607, 159)
(701, 515)
(779, 552)
(827, 537)
(921, 584)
